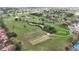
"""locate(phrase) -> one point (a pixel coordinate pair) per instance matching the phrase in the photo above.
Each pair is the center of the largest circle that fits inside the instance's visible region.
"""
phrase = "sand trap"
(40, 40)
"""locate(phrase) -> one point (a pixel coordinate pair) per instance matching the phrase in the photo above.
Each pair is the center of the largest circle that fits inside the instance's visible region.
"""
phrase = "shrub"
(67, 48)
(49, 29)
(12, 34)
(70, 38)
(69, 15)
(36, 14)
(16, 19)
(18, 46)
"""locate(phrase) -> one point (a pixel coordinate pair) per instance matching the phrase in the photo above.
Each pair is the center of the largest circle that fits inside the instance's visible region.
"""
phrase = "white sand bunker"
(40, 40)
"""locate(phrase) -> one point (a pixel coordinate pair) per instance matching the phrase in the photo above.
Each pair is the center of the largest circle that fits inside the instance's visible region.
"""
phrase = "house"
(74, 28)
(9, 47)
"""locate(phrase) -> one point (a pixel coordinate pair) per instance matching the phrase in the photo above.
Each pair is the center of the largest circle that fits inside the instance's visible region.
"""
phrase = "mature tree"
(49, 29)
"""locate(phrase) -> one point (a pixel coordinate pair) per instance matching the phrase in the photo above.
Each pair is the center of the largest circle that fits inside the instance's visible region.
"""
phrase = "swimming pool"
(76, 45)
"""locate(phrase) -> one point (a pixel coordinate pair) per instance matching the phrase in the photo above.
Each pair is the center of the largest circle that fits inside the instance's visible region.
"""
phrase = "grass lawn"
(57, 42)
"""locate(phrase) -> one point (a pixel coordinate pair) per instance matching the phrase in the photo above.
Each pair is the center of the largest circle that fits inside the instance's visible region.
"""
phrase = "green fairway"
(38, 29)
(56, 42)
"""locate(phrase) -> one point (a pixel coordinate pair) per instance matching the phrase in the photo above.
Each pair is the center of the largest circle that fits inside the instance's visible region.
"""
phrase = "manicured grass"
(61, 30)
(27, 33)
